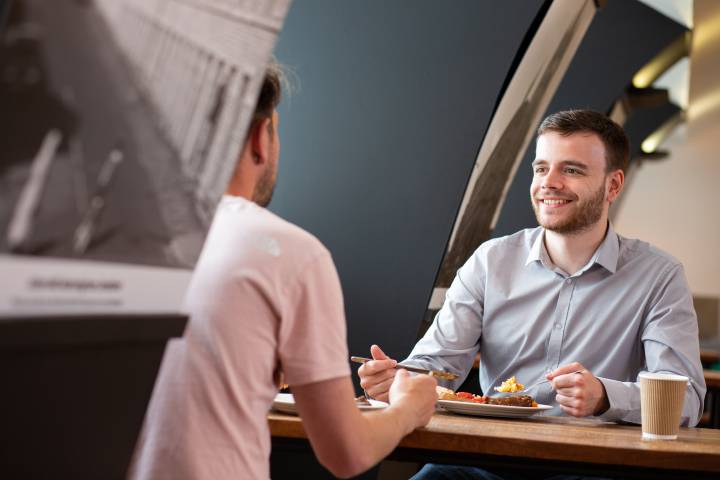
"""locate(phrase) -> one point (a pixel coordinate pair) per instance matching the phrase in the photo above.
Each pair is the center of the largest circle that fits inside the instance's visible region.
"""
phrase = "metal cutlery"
(433, 373)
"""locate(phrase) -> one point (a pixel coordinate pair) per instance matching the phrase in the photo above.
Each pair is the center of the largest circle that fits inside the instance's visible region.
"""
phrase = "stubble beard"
(588, 214)
(265, 187)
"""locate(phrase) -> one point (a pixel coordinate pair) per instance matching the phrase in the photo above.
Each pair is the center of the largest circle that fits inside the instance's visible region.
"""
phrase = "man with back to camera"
(570, 295)
(265, 298)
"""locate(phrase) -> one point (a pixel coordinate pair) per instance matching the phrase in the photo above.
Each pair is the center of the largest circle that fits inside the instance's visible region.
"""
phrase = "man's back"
(264, 294)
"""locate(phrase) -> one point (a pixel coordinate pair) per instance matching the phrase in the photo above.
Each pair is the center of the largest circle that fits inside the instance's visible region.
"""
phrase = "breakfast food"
(512, 401)
(444, 393)
(510, 386)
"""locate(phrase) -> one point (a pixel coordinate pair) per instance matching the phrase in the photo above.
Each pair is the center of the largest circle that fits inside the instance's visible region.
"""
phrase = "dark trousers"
(433, 471)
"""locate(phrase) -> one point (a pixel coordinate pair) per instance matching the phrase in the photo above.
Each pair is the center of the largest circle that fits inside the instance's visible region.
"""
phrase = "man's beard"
(265, 187)
(588, 213)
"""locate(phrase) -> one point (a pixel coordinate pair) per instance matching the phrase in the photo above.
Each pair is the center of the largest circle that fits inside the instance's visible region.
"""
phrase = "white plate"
(285, 403)
(484, 410)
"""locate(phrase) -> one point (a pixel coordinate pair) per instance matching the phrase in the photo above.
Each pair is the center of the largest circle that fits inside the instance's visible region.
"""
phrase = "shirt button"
(569, 280)
(558, 326)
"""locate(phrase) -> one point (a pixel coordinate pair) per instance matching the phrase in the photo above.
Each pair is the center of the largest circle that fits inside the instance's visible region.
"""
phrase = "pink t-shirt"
(264, 296)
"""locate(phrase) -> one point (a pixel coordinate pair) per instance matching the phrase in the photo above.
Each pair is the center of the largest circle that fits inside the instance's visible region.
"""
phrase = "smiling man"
(568, 296)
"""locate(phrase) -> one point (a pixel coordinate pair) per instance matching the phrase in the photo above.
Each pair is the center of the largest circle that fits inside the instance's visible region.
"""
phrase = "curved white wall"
(675, 203)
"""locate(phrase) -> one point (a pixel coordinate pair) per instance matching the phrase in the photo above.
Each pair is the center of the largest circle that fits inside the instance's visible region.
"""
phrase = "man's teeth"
(555, 202)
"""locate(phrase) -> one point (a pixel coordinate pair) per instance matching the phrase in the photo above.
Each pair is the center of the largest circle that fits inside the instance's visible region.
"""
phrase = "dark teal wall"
(379, 141)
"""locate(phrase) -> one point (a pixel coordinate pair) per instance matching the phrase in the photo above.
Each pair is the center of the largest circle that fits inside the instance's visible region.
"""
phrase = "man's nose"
(552, 180)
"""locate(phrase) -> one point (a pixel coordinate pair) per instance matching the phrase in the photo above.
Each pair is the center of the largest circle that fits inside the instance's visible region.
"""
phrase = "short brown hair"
(270, 93)
(617, 145)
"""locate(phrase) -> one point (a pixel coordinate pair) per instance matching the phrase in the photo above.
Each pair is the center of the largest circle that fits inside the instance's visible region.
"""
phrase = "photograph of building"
(121, 120)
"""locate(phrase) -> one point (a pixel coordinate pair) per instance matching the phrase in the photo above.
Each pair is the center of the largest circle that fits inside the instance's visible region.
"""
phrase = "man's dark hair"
(617, 145)
(270, 93)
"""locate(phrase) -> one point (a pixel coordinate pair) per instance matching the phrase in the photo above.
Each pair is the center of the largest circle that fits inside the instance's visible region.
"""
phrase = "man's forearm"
(624, 403)
(346, 441)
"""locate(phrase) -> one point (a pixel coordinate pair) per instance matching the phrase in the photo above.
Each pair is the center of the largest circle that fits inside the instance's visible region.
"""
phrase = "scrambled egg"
(510, 386)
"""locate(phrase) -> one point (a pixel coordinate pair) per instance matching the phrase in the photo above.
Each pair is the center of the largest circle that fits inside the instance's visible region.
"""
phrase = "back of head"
(270, 94)
(568, 122)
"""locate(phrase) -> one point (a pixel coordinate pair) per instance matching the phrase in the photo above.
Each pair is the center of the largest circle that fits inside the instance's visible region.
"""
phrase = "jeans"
(433, 471)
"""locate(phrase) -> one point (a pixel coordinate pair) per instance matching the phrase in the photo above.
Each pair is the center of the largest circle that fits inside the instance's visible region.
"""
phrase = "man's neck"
(572, 251)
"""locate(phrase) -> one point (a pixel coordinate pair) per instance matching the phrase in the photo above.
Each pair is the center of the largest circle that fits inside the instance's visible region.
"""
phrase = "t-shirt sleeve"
(312, 341)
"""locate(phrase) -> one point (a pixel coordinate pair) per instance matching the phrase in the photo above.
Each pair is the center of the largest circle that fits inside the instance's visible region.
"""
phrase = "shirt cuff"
(618, 399)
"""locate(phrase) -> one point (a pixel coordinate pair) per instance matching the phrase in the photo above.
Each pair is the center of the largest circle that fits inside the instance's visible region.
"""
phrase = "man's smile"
(554, 202)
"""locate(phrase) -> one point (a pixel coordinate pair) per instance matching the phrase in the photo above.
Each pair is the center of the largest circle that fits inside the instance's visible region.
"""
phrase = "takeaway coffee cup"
(661, 402)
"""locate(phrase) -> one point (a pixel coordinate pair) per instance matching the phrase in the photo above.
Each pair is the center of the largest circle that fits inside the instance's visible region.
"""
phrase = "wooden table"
(546, 444)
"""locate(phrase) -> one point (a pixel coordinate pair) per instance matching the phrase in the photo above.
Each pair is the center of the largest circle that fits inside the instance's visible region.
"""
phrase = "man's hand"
(579, 394)
(416, 396)
(377, 375)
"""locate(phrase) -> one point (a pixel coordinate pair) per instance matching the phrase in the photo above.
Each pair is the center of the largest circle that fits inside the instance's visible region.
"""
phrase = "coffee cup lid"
(663, 376)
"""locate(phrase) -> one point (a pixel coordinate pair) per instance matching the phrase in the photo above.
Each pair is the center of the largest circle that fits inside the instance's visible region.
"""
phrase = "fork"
(532, 386)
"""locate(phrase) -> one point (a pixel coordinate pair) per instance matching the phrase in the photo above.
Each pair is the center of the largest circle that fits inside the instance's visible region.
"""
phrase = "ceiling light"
(678, 49)
(653, 141)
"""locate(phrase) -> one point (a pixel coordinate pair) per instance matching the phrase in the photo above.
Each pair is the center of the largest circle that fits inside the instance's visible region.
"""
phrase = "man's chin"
(265, 201)
(566, 227)
(555, 225)
(550, 222)
(264, 192)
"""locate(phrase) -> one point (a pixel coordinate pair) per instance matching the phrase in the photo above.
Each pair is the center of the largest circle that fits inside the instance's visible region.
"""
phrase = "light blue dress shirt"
(628, 310)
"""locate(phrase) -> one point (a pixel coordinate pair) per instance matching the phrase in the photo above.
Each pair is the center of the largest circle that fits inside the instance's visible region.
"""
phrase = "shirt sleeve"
(670, 341)
(312, 342)
(452, 340)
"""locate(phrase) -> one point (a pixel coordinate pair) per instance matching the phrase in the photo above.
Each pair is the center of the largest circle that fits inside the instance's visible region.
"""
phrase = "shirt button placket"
(561, 312)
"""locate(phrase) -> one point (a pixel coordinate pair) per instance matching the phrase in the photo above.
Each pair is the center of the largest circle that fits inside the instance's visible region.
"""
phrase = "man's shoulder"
(267, 231)
(506, 250)
(634, 251)
(522, 240)
(293, 237)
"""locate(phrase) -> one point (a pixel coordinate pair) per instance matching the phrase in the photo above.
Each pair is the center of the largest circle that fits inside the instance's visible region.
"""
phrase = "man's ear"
(616, 181)
(260, 141)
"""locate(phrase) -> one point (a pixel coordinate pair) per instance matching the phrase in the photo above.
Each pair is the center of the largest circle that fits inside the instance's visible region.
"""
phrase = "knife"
(432, 373)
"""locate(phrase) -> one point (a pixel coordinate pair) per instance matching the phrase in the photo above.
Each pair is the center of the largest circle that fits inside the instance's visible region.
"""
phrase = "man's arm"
(450, 343)
(348, 442)
(670, 341)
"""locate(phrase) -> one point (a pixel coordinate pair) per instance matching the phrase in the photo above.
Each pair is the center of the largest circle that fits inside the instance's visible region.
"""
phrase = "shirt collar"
(606, 255)
(608, 252)
(537, 248)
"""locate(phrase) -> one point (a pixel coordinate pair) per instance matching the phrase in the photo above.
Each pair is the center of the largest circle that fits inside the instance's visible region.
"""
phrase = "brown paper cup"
(661, 401)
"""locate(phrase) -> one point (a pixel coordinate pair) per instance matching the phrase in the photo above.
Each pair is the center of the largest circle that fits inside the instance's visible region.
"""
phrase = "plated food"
(510, 386)
(512, 406)
(512, 400)
(285, 403)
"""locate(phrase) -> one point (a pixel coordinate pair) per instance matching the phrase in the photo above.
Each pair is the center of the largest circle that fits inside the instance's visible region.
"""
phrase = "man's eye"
(539, 169)
(572, 171)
